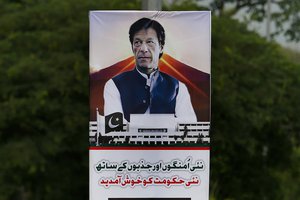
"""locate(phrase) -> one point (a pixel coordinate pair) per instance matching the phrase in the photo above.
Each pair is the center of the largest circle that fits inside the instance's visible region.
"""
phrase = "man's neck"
(146, 75)
(146, 71)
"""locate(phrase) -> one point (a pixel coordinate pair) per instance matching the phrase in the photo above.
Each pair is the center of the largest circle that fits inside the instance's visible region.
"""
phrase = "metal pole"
(151, 5)
(268, 25)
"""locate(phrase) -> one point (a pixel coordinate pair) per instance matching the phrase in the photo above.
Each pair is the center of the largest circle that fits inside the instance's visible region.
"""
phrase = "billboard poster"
(149, 105)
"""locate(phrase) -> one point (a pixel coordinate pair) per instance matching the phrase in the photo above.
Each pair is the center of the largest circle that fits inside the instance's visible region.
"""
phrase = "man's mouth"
(144, 57)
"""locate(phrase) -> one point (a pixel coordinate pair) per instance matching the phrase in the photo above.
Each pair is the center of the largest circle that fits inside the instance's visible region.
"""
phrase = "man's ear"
(161, 48)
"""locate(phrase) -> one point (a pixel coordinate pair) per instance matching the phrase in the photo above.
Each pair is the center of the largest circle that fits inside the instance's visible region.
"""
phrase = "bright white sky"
(188, 36)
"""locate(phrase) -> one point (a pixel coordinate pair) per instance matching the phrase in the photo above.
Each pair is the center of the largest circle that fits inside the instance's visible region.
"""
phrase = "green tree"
(254, 116)
(44, 105)
(44, 97)
(286, 11)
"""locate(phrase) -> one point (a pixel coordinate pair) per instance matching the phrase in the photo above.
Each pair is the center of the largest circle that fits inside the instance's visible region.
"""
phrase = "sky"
(260, 27)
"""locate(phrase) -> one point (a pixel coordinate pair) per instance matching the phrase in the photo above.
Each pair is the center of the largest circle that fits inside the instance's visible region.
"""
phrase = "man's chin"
(145, 69)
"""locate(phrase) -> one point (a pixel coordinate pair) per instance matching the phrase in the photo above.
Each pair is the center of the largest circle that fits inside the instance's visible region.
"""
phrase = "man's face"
(146, 49)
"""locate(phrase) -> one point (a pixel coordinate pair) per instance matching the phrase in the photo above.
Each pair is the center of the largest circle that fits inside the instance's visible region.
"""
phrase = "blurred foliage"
(44, 101)
(285, 14)
(294, 56)
(255, 121)
(44, 105)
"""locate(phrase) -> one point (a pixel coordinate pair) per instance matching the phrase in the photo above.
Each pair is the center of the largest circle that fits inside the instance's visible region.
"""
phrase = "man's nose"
(144, 47)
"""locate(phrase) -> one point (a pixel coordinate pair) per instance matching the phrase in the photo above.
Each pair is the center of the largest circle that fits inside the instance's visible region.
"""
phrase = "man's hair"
(145, 23)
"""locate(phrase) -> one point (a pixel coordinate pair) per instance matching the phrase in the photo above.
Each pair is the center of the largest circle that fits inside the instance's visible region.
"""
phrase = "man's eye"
(137, 43)
(150, 42)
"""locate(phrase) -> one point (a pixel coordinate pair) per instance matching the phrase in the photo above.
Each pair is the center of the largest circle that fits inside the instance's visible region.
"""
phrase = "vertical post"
(151, 5)
(268, 25)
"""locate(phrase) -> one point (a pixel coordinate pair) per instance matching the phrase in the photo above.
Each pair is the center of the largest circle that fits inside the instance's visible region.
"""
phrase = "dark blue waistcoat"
(136, 96)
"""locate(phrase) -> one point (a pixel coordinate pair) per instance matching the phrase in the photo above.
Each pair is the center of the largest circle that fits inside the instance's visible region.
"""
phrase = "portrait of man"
(149, 70)
(146, 89)
(149, 88)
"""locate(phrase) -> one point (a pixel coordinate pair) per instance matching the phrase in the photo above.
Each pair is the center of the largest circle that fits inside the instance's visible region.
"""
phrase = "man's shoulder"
(123, 75)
